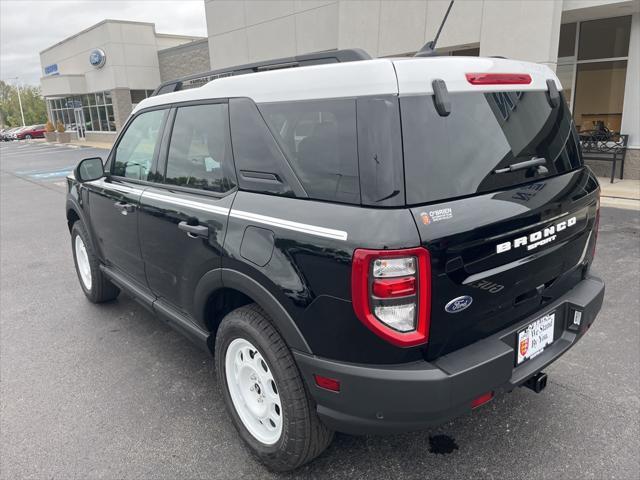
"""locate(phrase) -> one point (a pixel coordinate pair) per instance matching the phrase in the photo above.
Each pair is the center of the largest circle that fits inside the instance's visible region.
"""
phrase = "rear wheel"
(264, 392)
(95, 285)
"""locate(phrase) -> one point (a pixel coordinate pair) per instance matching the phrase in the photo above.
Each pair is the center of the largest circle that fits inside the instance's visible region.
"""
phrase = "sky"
(27, 27)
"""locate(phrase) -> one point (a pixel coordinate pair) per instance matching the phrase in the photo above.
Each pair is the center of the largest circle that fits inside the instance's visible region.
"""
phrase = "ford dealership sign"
(97, 58)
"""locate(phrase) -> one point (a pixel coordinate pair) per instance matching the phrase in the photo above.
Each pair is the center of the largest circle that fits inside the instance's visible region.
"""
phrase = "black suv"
(364, 246)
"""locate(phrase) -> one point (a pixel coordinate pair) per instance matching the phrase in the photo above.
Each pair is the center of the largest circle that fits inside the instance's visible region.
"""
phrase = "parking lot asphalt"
(109, 391)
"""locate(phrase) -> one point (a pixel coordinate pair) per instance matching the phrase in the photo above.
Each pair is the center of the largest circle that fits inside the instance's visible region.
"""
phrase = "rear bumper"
(394, 398)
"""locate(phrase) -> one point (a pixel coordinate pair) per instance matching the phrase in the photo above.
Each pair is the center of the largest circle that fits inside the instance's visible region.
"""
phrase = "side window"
(319, 138)
(200, 149)
(135, 151)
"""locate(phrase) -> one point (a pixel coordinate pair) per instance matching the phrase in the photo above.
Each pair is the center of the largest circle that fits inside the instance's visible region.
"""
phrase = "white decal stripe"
(289, 225)
(252, 217)
(187, 203)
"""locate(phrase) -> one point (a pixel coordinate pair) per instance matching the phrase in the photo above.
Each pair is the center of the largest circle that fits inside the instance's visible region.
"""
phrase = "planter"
(50, 136)
(63, 137)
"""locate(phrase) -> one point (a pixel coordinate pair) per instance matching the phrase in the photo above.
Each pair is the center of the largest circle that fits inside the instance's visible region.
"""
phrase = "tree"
(33, 105)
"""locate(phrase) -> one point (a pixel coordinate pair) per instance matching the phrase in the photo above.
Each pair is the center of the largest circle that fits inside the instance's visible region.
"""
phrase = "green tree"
(33, 105)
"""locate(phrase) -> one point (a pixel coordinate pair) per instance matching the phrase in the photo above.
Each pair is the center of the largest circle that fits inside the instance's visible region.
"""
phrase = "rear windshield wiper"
(534, 162)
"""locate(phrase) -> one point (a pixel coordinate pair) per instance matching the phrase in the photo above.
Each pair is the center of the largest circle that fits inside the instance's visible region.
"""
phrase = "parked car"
(366, 247)
(7, 135)
(33, 131)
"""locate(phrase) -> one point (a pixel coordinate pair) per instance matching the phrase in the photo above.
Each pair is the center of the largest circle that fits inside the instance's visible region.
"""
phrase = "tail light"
(391, 293)
(498, 78)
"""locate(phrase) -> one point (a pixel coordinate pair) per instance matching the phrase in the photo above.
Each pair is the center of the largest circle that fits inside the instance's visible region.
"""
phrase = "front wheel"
(264, 392)
(28, 137)
(95, 285)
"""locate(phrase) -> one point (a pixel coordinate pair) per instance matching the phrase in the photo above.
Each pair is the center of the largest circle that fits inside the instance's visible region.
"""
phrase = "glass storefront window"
(599, 95)
(592, 67)
(565, 75)
(605, 38)
(97, 110)
(567, 45)
(111, 118)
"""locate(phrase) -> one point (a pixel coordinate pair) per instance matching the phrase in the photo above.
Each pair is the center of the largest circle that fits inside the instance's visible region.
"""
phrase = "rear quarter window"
(319, 139)
(457, 155)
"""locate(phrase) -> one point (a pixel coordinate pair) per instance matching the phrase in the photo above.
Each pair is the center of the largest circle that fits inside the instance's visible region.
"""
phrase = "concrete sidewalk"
(620, 193)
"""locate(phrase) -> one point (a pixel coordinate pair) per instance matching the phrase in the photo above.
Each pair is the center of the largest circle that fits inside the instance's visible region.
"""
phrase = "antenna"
(429, 48)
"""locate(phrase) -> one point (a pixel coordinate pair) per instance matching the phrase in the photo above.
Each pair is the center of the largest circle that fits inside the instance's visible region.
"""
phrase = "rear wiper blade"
(534, 162)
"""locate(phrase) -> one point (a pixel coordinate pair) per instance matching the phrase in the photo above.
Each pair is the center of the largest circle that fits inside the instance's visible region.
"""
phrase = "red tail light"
(481, 400)
(394, 287)
(498, 78)
(391, 293)
(327, 383)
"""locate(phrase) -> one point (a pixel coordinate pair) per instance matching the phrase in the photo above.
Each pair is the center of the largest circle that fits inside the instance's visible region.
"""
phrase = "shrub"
(59, 127)
(49, 127)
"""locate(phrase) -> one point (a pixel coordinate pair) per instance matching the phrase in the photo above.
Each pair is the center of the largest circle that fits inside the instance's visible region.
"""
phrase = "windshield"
(457, 155)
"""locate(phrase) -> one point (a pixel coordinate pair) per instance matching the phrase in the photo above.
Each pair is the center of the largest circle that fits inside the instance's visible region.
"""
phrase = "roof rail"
(317, 58)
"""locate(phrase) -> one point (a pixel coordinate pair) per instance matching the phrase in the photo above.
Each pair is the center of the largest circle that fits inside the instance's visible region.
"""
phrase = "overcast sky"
(27, 27)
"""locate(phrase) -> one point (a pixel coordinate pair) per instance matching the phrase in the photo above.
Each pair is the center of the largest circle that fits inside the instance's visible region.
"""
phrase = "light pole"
(19, 100)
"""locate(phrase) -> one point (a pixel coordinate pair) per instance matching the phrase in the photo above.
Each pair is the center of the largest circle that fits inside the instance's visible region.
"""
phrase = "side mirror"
(89, 169)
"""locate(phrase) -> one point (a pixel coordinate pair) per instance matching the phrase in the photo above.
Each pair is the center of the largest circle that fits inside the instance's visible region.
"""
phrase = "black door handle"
(194, 231)
(124, 207)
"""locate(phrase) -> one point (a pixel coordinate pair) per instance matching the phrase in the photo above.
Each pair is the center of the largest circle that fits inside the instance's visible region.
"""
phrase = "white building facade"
(92, 80)
(593, 45)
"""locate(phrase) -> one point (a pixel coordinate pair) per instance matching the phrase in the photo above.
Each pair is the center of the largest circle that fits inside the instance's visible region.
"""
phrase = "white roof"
(401, 76)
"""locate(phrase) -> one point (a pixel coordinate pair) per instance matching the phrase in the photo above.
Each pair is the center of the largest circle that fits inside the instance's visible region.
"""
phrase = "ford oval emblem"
(97, 58)
(458, 304)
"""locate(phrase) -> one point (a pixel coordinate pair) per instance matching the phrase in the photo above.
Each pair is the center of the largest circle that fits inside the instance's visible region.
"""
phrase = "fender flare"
(72, 204)
(227, 278)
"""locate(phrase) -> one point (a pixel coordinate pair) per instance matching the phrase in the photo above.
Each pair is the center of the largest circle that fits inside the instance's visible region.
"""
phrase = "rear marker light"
(498, 78)
(327, 383)
(391, 293)
(481, 400)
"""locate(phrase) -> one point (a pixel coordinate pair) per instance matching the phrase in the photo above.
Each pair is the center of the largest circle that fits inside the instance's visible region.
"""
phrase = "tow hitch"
(537, 383)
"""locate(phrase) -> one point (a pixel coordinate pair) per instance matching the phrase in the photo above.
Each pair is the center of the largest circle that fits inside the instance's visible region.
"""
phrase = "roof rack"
(317, 58)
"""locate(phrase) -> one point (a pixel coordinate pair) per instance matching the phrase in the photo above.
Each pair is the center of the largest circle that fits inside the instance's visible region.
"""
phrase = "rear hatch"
(507, 242)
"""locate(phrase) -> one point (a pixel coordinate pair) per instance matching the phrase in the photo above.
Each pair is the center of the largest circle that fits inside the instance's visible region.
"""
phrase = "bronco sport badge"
(537, 239)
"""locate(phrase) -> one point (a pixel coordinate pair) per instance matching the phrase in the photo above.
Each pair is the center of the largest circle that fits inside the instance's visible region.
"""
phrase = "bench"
(613, 149)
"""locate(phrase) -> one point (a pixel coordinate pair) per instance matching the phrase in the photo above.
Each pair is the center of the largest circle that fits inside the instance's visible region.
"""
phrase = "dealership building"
(93, 79)
(593, 45)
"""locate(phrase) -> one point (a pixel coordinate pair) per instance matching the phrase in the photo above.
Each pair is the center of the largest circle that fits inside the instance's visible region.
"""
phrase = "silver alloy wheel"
(82, 261)
(253, 391)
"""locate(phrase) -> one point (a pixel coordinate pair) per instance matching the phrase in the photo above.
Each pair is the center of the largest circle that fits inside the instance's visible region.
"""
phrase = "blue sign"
(51, 69)
(97, 58)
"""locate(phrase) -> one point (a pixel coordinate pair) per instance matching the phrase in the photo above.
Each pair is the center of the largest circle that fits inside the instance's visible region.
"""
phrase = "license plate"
(533, 339)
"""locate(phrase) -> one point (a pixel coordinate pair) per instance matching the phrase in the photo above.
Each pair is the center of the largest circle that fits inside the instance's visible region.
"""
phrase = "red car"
(34, 131)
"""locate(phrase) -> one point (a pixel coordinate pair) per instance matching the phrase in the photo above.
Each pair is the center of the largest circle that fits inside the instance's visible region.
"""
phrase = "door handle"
(124, 207)
(194, 231)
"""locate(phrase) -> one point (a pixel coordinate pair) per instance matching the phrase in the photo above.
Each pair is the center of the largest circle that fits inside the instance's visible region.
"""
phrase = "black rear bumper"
(393, 398)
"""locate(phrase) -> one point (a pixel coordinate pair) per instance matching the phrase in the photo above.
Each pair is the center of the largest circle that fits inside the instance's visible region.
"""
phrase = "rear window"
(457, 155)
(318, 137)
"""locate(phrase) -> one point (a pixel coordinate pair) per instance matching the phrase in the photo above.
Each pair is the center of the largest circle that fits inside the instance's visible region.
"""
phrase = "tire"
(28, 137)
(95, 284)
(302, 436)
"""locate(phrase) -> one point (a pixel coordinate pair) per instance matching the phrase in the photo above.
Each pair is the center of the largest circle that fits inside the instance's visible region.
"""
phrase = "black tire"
(28, 137)
(101, 289)
(303, 436)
